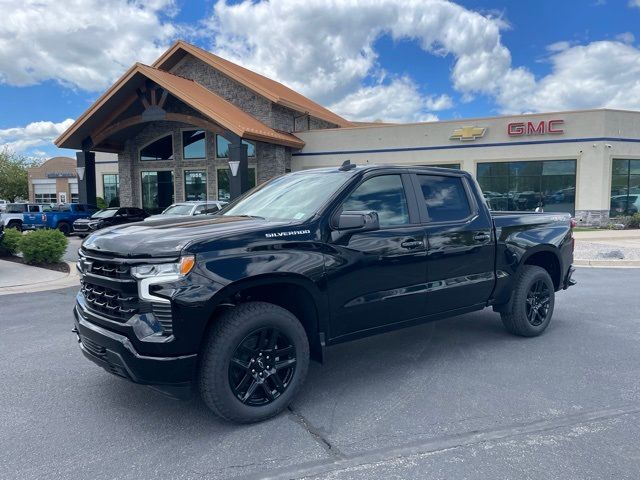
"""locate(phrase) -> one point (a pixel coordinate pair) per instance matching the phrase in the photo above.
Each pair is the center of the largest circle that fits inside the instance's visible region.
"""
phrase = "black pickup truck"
(237, 303)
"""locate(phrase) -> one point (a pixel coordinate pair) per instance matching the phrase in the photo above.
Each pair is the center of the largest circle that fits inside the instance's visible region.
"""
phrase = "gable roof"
(266, 87)
(206, 102)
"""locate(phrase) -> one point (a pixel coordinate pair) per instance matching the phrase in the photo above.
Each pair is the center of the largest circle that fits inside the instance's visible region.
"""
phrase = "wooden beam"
(142, 97)
(163, 98)
(103, 135)
(153, 96)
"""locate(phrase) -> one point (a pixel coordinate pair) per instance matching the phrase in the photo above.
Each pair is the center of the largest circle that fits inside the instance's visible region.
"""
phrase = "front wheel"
(254, 362)
(532, 303)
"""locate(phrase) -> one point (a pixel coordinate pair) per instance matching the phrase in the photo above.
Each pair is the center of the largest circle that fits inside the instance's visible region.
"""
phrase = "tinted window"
(445, 197)
(161, 149)
(383, 194)
(193, 145)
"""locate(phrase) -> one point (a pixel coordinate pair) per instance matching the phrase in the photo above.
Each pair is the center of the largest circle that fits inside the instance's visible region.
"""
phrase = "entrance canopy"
(140, 96)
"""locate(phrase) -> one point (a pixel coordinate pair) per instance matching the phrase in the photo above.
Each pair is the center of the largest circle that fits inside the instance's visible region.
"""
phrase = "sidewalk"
(19, 278)
(607, 248)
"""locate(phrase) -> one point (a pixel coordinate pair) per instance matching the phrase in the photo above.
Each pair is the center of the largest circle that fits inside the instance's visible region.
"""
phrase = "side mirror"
(357, 221)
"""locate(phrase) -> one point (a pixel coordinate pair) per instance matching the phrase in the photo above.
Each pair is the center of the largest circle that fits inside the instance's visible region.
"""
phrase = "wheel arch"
(548, 258)
(295, 293)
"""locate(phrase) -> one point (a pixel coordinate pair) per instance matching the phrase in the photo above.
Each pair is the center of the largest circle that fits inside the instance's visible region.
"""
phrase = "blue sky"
(409, 60)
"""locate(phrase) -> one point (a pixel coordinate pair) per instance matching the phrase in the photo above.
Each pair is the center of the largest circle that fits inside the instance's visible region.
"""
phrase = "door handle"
(411, 243)
(481, 237)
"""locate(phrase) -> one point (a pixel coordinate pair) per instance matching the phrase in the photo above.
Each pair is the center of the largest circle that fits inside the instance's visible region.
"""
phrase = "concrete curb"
(72, 279)
(607, 263)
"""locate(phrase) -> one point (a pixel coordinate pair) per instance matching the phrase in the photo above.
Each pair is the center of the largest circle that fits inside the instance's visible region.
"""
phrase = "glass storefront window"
(46, 198)
(195, 185)
(526, 185)
(111, 189)
(625, 187)
(161, 149)
(223, 182)
(222, 148)
(193, 144)
(455, 166)
(157, 190)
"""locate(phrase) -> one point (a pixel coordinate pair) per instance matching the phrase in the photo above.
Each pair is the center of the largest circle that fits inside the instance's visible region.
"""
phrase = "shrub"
(634, 221)
(43, 246)
(100, 203)
(10, 243)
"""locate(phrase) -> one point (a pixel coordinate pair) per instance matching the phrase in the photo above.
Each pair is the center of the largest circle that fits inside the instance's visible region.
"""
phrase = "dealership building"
(56, 180)
(196, 126)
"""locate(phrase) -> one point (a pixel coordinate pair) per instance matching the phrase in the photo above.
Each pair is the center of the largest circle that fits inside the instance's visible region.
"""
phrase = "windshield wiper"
(249, 216)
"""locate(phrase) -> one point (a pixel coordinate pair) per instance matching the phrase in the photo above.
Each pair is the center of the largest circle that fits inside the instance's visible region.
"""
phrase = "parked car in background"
(185, 209)
(3, 205)
(624, 205)
(59, 216)
(108, 217)
(14, 213)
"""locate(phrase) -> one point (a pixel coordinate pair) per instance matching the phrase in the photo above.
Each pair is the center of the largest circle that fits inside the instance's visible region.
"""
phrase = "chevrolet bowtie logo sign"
(468, 133)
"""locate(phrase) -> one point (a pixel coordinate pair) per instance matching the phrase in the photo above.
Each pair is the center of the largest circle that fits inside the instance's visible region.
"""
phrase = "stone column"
(86, 185)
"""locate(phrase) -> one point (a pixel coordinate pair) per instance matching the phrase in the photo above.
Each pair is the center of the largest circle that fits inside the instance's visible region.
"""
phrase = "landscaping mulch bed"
(58, 267)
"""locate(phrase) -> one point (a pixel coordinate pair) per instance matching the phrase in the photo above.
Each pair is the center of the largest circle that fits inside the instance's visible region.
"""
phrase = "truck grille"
(109, 301)
(80, 227)
(110, 270)
(119, 301)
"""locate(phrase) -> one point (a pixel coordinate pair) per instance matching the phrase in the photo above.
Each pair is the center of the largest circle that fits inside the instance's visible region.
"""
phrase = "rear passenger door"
(460, 245)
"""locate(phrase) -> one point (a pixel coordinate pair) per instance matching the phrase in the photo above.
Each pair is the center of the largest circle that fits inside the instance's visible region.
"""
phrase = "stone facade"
(592, 218)
(270, 159)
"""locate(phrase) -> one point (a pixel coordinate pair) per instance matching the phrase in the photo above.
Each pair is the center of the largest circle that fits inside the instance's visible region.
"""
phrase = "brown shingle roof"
(274, 91)
(193, 94)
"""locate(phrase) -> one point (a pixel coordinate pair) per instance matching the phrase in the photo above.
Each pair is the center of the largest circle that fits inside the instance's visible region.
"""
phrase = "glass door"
(157, 190)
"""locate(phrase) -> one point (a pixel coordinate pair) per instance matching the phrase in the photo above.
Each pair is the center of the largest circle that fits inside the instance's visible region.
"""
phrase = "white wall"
(593, 175)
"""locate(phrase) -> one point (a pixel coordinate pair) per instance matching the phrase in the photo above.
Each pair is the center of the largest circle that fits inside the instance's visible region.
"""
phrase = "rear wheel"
(15, 224)
(254, 362)
(64, 228)
(532, 303)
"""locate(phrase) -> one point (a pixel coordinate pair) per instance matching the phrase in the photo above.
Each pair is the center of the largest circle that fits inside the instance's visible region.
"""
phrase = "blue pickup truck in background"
(59, 216)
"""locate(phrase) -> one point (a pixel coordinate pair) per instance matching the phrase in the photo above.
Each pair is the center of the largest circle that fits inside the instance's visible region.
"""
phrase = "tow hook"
(75, 330)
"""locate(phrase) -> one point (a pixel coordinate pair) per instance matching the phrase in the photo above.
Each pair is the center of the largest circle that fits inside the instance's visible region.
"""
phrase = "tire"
(239, 340)
(65, 228)
(532, 301)
(15, 224)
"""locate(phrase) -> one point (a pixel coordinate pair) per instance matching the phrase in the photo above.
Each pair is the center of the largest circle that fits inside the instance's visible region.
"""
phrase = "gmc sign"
(519, 129)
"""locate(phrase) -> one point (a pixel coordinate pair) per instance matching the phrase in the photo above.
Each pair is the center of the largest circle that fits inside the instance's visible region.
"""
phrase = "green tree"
(14, 180)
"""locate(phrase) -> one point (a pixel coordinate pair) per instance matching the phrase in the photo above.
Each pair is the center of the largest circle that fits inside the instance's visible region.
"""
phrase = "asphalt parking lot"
(455, 399)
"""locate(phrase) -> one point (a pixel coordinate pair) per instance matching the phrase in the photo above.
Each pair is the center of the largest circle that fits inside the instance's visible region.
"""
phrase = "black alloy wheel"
(262, 367)
(538, 302)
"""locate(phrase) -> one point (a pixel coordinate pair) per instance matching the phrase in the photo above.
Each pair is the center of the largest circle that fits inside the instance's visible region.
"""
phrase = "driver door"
(377, 278)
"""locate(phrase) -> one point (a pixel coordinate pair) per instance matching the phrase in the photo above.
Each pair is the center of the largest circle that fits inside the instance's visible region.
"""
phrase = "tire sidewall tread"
(515, 318)
(223, 338)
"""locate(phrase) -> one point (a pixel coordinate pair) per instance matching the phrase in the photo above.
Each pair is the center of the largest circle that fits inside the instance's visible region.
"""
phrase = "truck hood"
(168, 237)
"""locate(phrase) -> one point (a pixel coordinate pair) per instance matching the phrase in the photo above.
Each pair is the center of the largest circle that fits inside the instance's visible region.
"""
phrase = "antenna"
(347, 165)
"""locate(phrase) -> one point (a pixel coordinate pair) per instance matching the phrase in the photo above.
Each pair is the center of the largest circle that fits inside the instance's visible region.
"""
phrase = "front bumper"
(115, 353)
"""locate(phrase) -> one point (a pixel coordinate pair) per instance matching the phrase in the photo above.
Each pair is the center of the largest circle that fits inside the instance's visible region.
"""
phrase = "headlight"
(93, 224)
(179, 269)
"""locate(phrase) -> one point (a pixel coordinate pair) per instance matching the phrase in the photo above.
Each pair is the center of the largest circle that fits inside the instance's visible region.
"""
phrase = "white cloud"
(22, 140)
(626, 37)
(326, 49)
(398, 101)
(80, 43)
(441, 102)
(599, 74)
(558, 46)
(634, 3)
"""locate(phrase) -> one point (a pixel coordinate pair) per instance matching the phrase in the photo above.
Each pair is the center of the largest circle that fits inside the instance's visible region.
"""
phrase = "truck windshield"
(296, 196)
(105, 213)
(178, 209)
